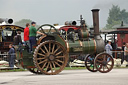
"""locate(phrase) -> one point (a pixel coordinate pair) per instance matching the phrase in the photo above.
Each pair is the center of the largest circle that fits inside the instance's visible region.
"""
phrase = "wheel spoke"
(51, 67)
(46, 49)
(40, 54)
(59, 61)
(42, 50)
(60, 56)
(54, 66)
(53, 48)
(57, 49)
(40, 58)
(107, 67)
(104, 58)
(47, 67)
(59, 53)
(44, 65)
(43, 61)
(57, 64)
(99, 61)
(50, 47)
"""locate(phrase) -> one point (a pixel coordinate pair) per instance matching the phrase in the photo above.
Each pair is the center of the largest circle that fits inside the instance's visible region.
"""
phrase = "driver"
(32, 35)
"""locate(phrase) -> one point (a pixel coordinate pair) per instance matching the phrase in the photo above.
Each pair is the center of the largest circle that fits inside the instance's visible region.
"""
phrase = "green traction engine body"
(52, 51)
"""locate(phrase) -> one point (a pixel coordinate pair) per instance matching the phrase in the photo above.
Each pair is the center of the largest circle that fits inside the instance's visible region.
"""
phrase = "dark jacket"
(11, 52)
(17, 40)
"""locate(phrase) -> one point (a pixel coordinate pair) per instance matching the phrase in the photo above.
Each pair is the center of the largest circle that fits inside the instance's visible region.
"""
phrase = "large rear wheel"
(50, 57)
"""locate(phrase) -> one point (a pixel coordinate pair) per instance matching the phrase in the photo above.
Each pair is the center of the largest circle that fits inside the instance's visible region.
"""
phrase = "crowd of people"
(108, 49)
(29, 40)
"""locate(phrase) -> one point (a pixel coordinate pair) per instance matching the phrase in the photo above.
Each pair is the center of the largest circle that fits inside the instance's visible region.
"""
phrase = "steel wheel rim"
(89, 63)
(50, 57)
(104, 63)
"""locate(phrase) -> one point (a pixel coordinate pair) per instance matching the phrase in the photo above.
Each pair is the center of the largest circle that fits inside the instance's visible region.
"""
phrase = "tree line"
(116, 16)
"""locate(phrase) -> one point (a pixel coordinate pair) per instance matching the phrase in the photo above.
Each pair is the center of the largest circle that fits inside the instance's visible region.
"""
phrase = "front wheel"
(104, 62)
(89, 63)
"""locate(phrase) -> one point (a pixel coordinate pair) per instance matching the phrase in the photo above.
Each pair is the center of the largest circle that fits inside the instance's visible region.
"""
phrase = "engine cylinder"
(83, 34)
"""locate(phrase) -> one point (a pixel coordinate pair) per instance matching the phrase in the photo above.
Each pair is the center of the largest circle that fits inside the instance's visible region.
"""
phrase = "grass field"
(66, 68)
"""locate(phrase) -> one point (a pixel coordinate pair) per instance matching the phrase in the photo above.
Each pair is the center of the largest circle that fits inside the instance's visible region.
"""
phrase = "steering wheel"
(47, 29)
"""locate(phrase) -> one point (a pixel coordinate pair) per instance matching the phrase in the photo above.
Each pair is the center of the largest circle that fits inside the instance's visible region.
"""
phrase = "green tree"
(116, 16)
(23, 22)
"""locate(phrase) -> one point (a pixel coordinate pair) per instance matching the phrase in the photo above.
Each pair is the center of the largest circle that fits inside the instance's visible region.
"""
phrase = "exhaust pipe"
(70, 23)
(95, 13)
(99, 41)
(8, 21)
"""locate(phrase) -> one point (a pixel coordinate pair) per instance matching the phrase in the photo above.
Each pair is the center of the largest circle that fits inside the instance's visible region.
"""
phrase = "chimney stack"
(95, 13)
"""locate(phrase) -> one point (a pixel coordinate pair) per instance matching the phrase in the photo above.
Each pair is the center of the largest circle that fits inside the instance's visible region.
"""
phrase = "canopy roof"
(11, 27)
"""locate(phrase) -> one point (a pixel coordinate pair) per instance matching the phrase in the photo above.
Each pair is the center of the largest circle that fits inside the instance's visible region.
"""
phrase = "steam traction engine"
(51, 52)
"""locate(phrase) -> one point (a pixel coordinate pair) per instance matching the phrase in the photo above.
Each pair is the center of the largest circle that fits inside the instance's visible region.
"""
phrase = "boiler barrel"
(85, 47)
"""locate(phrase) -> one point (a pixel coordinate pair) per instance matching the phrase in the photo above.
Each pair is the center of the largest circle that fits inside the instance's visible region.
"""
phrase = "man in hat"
(32, 35)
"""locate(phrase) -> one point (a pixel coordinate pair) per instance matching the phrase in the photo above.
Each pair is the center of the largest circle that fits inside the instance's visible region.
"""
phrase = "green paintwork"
(26, 60)
(87, 47)
(59, 39)
(83, 34)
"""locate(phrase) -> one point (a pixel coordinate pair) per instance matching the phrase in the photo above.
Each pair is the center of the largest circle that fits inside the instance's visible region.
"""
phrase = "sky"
(58, 11)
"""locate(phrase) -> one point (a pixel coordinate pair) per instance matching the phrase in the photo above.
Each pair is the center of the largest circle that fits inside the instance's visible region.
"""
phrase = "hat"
(33, 23)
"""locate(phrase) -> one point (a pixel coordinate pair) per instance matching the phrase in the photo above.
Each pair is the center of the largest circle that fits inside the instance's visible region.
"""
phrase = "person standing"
(26, 36)
(126, 52)
(122, 58)
(17, 39)
(108, 48)
(32, 35)
(11, 54)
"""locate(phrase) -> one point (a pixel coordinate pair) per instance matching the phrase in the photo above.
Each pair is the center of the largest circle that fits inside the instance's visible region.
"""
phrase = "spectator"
(11, 56)
(32, 35)
(26, 36)
(122, 58)
(108, 48)
(126, 52)
(17, 39)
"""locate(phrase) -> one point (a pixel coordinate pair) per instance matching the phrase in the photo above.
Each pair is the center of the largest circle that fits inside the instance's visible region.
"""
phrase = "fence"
(4, 60)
